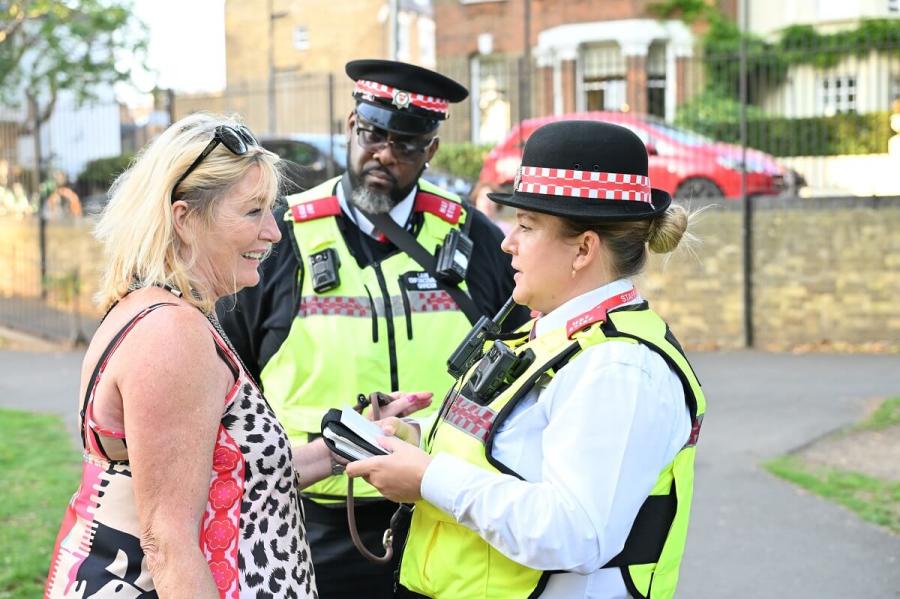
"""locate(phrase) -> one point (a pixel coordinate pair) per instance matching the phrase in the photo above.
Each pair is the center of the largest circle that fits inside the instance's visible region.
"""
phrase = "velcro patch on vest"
(334, 305)
(321, 208)
(443, 208)
(469, 417)
(424, 294)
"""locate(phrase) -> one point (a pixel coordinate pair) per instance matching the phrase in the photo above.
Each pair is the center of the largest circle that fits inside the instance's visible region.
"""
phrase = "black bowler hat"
(401, 97)
(585, 170)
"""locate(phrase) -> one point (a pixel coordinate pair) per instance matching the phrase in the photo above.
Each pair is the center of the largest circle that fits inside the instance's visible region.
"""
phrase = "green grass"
(39, 471)
(887, 415)
(874, 500)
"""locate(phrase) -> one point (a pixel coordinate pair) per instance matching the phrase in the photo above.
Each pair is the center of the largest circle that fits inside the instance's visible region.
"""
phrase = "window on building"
(603, 73)
(490, 99)
(404, 33)
(894, 94)
(893, 6)
(837, 94)
(301, 38)
(656, 79)
(425, 33)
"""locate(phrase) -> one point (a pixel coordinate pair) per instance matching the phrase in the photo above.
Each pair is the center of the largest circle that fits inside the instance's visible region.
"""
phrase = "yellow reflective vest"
(447, 560)
(386, 327)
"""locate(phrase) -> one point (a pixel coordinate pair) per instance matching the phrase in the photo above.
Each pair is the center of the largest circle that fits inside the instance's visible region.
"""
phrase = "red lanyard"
(598, 313)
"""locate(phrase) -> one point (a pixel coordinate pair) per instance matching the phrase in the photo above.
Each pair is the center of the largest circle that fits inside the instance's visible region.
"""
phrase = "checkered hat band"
(583, 184)
(386, 92)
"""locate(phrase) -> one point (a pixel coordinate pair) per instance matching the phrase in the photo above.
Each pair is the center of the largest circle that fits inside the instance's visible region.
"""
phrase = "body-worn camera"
(499, 367)
(324, 267)
(472, 347)
(453, 255)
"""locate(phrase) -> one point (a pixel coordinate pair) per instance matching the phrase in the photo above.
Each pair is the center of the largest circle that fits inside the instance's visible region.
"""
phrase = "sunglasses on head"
(237, 139)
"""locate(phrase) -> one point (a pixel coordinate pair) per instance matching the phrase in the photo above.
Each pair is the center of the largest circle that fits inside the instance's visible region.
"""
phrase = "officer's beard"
(377, 202)
(371, 201)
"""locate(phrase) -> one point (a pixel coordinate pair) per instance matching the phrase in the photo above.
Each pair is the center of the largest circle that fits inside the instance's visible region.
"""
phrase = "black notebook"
(351, 435)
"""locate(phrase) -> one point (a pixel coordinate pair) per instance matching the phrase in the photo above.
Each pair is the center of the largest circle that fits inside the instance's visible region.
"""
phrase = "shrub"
(99, 174)
(461, 159)
(810, 136)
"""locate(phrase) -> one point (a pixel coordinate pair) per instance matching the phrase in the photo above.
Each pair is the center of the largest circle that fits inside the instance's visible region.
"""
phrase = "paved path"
(752, 535)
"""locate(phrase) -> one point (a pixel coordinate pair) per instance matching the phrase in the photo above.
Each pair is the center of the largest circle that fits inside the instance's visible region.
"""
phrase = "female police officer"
(562, 463)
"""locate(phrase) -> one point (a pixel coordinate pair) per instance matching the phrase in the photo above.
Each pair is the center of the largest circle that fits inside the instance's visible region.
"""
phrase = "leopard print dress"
(252, 532)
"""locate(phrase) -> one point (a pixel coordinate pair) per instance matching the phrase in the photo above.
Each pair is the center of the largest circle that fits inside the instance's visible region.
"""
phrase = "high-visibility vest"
(445, 559)
(386, 327)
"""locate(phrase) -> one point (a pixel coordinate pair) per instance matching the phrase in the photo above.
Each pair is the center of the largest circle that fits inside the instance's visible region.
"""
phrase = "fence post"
(36, 181)
(330, 167)
(78, 337)
(746, 200)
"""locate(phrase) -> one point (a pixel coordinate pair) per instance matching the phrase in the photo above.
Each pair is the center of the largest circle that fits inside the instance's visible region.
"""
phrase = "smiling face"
(240, 236)
(543, 259)
(380, 171)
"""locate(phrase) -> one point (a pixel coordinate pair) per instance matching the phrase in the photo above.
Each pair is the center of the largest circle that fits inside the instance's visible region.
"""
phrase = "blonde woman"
(561, 465)
(189, 485)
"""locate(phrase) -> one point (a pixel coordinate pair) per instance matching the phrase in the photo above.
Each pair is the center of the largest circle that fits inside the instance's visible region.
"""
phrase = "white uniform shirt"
(590, 446)
(399, 213)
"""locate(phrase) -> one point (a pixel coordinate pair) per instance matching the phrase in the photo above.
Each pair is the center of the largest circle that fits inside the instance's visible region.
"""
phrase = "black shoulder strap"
(412, 248)
(406, 242)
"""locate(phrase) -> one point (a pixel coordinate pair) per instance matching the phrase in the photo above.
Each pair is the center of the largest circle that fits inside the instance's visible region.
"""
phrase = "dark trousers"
(341, 571)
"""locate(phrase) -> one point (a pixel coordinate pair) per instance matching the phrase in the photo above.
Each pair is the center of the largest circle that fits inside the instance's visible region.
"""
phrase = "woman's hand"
(397, 476)
(404, 404)
(394, 427)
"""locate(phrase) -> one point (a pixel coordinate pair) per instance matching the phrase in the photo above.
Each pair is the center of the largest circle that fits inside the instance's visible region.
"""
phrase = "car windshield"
(688, 138)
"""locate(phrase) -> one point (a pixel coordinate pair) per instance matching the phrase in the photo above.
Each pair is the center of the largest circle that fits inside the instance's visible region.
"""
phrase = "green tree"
(47, 46)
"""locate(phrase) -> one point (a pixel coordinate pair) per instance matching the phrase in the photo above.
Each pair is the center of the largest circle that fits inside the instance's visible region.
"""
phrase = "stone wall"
(827, 273)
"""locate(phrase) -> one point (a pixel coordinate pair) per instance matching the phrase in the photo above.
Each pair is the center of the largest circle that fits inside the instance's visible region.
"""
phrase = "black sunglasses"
(237, 139)
(374, 140)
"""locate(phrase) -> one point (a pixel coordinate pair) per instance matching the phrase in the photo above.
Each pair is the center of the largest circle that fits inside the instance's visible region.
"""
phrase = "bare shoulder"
(171, 348)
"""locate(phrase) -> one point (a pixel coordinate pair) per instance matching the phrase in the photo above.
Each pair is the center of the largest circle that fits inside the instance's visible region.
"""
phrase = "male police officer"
(341, 310)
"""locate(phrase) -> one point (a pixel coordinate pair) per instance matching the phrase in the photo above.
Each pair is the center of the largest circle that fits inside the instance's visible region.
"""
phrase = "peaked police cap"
(402, 98)
(585, 170)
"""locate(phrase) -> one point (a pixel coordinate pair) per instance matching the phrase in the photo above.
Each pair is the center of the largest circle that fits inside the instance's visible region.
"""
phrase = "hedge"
(461, 159)
(813, 136)
(99, 174)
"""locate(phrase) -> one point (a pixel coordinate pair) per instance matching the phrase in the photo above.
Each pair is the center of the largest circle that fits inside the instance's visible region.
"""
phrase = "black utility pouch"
(324, 268)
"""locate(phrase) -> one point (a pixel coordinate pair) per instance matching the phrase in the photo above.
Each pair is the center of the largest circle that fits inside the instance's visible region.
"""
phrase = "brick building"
(586, 55)
(284, 59)
(319, 36)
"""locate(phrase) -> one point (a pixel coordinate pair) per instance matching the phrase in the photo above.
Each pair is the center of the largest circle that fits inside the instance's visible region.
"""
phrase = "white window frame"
(837, 94)
(893, 7)
(301, 38)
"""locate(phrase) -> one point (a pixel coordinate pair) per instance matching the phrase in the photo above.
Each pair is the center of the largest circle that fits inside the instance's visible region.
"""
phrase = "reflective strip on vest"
(343, 342)
(445, 559)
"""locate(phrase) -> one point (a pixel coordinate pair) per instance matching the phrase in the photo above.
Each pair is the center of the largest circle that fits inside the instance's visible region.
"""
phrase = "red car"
(684, 163)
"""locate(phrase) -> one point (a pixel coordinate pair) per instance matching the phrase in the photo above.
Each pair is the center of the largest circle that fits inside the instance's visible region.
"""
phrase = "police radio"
(324, 267)
(472, 347)
(452, 257)
(500, 367)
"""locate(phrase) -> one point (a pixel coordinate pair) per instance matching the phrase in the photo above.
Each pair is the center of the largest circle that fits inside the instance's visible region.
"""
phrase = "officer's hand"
(405, 404)
(397, 476)
(394, 427)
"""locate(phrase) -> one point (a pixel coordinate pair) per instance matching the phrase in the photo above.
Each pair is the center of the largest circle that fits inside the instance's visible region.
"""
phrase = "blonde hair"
(137, 227)
(627, 241)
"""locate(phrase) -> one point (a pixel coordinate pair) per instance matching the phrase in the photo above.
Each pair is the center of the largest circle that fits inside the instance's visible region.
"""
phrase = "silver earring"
(427, 165)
